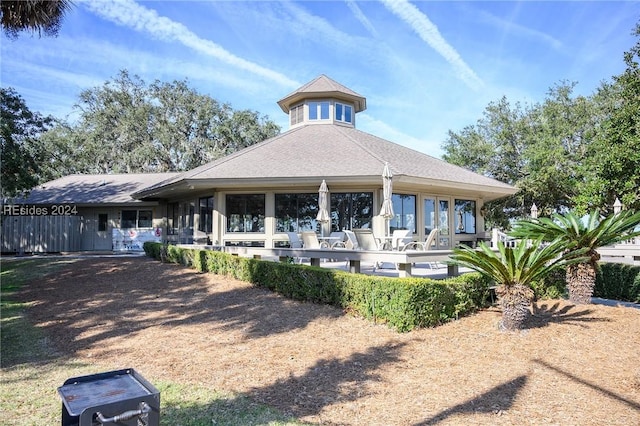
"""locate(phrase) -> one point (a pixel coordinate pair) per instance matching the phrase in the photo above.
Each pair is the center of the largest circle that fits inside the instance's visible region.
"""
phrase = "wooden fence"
(41, 234)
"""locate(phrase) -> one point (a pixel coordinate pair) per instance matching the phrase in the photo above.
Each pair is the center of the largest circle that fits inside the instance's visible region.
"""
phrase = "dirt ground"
(574, 365)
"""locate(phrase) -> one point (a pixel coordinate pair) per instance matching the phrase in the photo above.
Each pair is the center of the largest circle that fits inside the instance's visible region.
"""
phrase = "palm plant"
(578, 234)
(35, 15)
(514, 270)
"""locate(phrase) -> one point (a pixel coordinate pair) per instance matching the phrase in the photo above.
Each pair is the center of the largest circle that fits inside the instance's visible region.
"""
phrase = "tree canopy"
(566, 152)
(41, 16)
(127, 126)
(21, 153)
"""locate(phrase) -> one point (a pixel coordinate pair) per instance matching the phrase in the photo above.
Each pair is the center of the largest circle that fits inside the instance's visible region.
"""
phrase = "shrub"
(618, 282)
(402, 303)
(552, 286)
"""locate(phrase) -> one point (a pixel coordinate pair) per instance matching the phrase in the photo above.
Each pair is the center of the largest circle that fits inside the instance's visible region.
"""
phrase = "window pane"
(324, 110)
(313, 110)
(339, 112)
(347, 113)
(206, 214)
(296, 212)
(103, 219)
(351, 210)
(404, 207)
(173, 218)
(245, 213)
(465, 217)
(145, 219)
(429, 215)
(128, 219)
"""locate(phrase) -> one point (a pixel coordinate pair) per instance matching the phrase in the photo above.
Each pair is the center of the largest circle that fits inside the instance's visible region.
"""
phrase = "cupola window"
(344, 113)
(296, 114)
(318, 110)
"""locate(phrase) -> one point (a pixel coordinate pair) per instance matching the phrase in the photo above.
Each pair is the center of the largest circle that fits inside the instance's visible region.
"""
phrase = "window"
(319, 110)
(404, 207)
(103, 222)
(136, 219)
(343, 113)
(205, 223)
(296, 114)
(351, 210)
(296, 212)
(173, 218)
(465, 217)
(245, 213)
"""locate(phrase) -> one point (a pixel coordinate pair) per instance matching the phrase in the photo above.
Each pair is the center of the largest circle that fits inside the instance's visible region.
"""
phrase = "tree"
(41, 16)
(514, 270)
(21, 152)
(613, 162)
(127, 126)
(575, 234)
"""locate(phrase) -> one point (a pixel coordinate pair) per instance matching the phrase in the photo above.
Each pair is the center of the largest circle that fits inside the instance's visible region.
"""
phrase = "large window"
(173, 218)
(245, 213)
(404, 207)
(465, 216)
(296, 114)
(319, 110)
(205, 223)
(351, 210)
(136, 219)
(296, 212)
(344, 113)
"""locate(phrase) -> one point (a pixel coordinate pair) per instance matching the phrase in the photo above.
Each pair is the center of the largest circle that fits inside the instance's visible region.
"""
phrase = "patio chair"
(295, 242)
(351, 242)
(366, 239)
(426, 245)
(338, 242)
(310, 241)
(400, 238)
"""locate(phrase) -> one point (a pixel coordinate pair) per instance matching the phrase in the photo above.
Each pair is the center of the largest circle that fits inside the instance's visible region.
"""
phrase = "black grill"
(121, 397)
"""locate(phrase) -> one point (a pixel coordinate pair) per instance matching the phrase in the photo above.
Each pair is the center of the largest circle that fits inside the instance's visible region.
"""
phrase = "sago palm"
(514, 270)
(588, 235)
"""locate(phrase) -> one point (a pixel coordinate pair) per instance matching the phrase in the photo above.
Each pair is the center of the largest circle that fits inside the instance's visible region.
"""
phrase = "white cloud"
(428, 32)
(360, 16)
(519, 30)
(130, 14)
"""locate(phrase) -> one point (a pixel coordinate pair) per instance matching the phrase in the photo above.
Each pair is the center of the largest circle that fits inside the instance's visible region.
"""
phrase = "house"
(255, 196)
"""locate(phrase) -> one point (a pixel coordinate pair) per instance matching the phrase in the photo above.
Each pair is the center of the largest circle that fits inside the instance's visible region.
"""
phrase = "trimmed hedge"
(618, 282)
(402, 303)
(615, 281)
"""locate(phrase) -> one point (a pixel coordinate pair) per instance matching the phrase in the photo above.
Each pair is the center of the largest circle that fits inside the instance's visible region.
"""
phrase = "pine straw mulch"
(574, 365)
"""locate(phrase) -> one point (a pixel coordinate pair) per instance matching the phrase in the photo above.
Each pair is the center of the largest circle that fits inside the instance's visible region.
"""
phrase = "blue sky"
(424, 67)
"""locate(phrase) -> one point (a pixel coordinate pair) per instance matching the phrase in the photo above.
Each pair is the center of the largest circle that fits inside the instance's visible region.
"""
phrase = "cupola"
(322, 101)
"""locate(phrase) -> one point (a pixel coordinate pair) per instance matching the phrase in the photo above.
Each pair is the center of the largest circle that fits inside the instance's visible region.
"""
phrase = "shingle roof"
(92, 189)
(323, 87)
(340, 153)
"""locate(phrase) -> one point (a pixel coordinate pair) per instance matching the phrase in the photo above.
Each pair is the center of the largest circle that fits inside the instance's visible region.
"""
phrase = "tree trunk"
(515, 301)
(581, 279)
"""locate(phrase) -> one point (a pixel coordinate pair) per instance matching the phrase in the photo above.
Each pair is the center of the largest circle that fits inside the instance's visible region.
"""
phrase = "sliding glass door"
(436, 216)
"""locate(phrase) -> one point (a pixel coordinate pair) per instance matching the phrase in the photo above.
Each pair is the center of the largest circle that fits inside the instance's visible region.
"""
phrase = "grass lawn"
(224, 352)
(32, 371)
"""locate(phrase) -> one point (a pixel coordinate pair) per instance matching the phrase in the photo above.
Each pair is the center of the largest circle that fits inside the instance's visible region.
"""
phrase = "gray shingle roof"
(92, 189)
(339, 153)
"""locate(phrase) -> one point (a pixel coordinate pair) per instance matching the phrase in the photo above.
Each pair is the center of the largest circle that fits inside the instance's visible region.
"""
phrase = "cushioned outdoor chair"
(351, 242)
(337, 239)
(310, 241)
(426, 245)
(294, 240)
(366, 239)
(401, 238)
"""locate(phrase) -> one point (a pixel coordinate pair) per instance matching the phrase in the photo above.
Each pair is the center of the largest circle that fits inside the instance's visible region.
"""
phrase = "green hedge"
(402, 303)
(614, 281)
(618, 282)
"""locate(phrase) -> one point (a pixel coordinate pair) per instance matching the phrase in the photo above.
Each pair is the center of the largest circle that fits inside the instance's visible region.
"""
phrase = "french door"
(436, 216)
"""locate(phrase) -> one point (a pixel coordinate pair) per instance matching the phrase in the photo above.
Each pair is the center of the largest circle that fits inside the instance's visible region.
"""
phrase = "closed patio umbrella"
(386, 210)
(323, 206)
